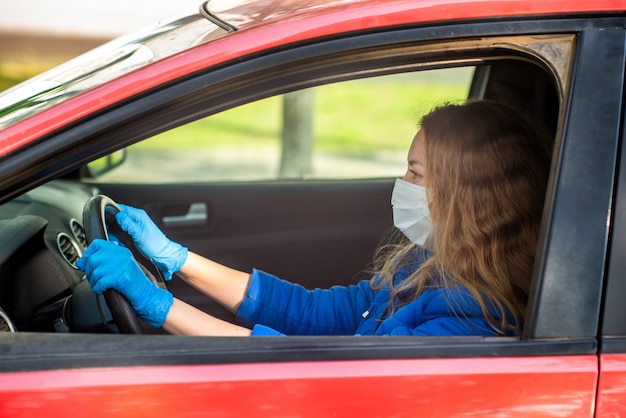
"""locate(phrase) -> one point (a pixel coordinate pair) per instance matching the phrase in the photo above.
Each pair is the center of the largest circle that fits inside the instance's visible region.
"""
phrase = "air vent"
(69, 249)
(79, 232)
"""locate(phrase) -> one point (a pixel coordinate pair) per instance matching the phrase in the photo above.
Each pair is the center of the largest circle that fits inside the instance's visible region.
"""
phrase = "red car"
(190, 120)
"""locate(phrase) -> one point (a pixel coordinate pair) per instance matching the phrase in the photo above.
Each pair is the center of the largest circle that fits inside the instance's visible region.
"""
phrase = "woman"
(470, 206)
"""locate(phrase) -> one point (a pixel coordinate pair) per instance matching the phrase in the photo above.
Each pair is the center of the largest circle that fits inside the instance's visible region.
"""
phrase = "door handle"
(196, 215)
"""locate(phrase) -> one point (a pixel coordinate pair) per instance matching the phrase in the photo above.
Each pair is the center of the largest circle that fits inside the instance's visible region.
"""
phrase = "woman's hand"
(110, 266)
(167, 255)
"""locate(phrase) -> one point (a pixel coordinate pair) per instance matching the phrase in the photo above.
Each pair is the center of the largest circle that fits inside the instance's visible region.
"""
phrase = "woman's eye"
(415, 175)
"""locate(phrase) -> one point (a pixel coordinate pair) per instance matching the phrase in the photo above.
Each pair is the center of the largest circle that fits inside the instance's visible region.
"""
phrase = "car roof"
(246, 13)
(238, 28)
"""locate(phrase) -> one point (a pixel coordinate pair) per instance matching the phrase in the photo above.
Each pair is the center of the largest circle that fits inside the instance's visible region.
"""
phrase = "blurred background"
(36, 35)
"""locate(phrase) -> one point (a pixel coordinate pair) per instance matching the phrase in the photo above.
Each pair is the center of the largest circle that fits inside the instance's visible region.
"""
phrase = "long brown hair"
(486, 169)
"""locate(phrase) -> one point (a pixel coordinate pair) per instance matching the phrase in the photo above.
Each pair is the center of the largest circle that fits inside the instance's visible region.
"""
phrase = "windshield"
(105, 63)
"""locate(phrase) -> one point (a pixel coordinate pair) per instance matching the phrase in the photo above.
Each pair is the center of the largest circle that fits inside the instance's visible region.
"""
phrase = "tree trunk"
(296, 160)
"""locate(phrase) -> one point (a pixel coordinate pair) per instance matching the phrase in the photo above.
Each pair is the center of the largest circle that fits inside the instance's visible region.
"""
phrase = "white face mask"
(410, 212)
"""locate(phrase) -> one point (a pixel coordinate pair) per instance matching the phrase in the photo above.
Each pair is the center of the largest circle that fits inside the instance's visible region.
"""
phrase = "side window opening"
(353, 129)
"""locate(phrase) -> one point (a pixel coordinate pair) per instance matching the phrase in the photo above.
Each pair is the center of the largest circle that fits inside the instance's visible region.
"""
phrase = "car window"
(345, 130)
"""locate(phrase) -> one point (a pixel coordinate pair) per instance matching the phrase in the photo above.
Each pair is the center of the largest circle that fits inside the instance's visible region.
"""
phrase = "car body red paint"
(374, 388)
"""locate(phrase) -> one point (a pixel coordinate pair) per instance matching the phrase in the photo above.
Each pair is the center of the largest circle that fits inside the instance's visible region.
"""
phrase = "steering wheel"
(98, 220)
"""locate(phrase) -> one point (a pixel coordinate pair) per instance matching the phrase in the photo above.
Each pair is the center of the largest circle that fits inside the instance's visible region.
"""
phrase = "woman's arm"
(223, 284)
(110, 266)
(184, 319)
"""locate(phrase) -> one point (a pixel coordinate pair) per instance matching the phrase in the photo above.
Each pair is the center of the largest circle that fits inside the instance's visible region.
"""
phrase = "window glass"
(346, 130)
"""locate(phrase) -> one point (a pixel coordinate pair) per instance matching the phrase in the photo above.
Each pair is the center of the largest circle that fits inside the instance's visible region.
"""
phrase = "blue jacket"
(276, 307)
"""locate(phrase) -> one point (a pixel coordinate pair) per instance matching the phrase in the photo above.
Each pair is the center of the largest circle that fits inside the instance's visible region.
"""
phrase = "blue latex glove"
(110, 266)
(167, 255)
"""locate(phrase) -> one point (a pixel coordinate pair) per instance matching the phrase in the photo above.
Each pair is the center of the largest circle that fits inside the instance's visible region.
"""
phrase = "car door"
(553, 369)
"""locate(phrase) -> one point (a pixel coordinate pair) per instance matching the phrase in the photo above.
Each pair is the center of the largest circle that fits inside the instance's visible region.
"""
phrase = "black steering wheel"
(98, 220)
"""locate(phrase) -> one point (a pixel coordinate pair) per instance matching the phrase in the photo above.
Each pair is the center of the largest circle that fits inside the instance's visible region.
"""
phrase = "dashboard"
(41, 290)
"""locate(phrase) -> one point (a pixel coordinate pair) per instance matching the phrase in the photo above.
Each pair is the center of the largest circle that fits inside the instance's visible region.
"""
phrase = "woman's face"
(415, 169)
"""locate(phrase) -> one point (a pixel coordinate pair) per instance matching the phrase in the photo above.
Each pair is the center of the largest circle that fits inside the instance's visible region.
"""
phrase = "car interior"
(317, 232)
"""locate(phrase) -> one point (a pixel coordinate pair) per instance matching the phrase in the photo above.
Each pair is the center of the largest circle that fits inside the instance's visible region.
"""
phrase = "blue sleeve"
(263, 331)
(287, 308)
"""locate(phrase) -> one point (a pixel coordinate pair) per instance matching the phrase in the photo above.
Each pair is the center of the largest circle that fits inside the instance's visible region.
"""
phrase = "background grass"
(24, 55)
(12, 73)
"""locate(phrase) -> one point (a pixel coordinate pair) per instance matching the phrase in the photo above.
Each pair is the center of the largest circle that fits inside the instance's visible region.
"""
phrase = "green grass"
(13, 73)
(252, 123)
(378, 114)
